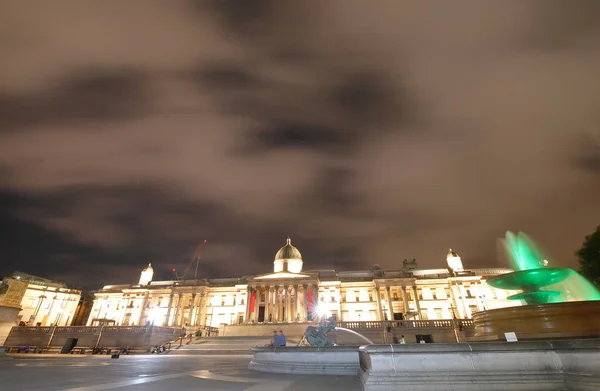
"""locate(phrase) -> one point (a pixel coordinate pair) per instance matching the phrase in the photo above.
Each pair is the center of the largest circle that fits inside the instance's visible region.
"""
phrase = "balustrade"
(407, 324)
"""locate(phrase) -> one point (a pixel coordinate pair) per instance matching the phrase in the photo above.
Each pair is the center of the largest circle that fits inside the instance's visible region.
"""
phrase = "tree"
(589, 257)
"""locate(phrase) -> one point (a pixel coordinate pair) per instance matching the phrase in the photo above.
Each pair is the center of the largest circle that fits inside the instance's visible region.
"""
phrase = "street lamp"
(454, 325)
(383, 304)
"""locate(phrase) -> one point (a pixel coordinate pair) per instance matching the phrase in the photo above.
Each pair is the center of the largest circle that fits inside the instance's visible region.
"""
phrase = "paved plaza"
(162, 372)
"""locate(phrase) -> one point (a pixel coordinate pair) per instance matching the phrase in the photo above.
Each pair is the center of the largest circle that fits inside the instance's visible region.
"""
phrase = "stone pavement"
(156, 372)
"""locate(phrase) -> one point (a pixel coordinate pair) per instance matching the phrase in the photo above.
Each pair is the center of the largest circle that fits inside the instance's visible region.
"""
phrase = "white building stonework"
(291, 295)
(42, 302)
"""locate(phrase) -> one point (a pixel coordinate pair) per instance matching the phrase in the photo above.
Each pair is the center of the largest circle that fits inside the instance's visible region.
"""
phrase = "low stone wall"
(8, 317)
(375, 334)
(523, 366)
(139, 337)
(340, 360)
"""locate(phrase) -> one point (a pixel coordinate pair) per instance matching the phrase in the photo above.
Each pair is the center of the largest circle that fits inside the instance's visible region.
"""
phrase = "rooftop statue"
(317, 335)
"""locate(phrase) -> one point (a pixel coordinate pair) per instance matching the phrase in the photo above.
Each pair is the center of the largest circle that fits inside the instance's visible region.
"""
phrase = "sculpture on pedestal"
(317, 335)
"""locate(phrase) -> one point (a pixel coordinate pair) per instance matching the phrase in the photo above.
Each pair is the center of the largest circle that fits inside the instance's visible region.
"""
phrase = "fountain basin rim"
(540, 307)
(296, 349)
(507, 281)
(417, 348)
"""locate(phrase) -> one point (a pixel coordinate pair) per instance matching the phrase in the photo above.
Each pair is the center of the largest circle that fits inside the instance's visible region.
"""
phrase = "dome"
(451, 254)
(288, 259)
(288, 252)
(146, 275)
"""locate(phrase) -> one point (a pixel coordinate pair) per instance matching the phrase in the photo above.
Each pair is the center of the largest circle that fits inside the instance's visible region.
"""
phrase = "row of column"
(388, 312)
(175, 313)
(282, 303)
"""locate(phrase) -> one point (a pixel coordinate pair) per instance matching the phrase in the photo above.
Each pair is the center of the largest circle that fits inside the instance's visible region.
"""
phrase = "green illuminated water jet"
(539, 284)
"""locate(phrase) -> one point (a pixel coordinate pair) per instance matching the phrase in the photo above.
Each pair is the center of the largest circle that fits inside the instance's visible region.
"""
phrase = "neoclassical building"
(291, 294)
(42, 302)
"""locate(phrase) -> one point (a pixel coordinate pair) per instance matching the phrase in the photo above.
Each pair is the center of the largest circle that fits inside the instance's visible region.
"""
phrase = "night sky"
(368, 131)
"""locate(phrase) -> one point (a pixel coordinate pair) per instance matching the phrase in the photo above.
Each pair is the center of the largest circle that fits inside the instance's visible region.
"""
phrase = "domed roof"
(288, 252)
(452, 254)
(148, 268)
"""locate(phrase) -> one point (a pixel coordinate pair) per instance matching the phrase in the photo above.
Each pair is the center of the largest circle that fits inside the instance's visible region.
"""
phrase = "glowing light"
(321, 311)
(153, 314)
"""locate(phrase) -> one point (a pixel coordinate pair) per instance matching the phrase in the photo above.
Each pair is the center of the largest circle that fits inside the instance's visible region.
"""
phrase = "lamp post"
(454, 325)
(385, 325)
(383, 306)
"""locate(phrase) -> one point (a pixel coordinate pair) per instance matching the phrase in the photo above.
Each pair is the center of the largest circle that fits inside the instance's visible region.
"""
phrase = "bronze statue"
(317, 336)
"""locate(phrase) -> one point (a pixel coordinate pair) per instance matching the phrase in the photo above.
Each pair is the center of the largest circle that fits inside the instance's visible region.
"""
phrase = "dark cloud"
(246, 19)
(288, 134)
(369, 133)
(85, 95)
(227, 77)
(563, 24)
(368, 97)
(589, 163)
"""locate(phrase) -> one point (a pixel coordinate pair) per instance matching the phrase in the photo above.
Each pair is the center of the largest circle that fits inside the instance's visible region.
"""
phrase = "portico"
(285, 296)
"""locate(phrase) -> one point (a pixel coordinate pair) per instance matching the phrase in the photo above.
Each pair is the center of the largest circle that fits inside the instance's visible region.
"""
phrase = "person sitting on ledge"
(275, 342)
(282, 339)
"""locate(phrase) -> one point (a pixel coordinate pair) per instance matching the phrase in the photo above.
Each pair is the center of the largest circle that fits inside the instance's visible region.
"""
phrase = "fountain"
(323, 356)
(559, 303)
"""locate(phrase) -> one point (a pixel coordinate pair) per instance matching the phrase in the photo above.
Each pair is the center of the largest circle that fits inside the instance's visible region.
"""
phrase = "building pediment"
(281, 276)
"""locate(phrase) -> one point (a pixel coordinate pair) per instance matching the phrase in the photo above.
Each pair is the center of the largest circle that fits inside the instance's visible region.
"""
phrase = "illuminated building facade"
(42, 302)
(291, 295)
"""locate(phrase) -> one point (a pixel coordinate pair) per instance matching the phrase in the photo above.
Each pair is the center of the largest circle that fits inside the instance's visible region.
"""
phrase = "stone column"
(296, 306)
(463, 294)
(143, 308)
(378, 298)
(248, 294)
(168, 317)
(193, 310)
(179, 314)
(416, 297)
(275, 301)
(315, 288)
(404, 302)
(286, 306)
(257, 304)
(267, 302)
(388, 293)
(305, 307)
(198, 311)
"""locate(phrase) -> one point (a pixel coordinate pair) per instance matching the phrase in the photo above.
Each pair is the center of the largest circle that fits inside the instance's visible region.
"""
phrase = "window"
(424, 315)
(438, 313)
(395, 295)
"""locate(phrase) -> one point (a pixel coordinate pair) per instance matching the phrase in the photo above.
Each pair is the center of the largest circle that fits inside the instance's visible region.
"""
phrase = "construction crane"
(197, 257)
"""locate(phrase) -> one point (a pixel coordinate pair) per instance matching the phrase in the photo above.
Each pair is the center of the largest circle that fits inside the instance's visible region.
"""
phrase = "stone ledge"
(342, 360)
(536, 365)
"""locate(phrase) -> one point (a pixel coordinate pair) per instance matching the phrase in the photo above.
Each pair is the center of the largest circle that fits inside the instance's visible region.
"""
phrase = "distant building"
(291, 295)
(42, 302)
